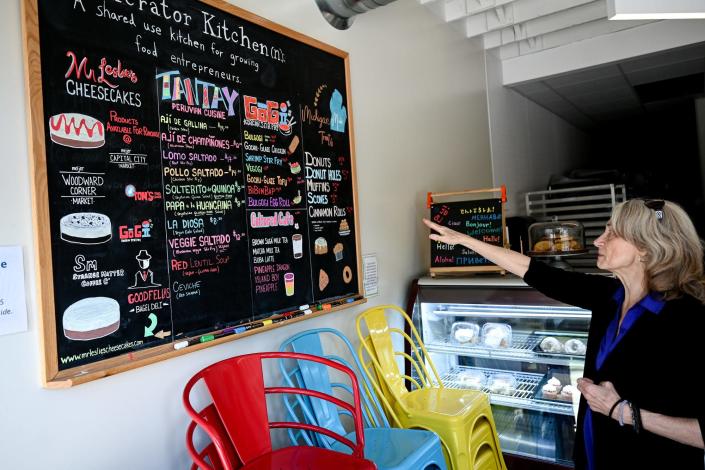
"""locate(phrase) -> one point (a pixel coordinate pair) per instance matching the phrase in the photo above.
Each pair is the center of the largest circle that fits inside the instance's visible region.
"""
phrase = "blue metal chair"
(389, 448)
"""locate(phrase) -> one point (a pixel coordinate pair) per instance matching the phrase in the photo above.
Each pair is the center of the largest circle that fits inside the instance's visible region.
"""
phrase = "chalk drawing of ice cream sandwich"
(91, 318)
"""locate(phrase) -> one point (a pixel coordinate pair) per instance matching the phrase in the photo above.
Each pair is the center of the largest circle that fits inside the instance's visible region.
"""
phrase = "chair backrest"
(218, 454)
(381, 364)
(205, 459)
(236, 386)
(316, 377)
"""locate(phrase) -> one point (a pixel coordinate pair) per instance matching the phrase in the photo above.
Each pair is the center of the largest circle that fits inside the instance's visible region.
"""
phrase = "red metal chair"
(236, 387)
(208, 458)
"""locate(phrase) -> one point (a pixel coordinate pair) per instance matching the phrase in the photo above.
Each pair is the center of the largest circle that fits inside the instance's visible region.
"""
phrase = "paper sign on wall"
(13, 309)
(370, 275)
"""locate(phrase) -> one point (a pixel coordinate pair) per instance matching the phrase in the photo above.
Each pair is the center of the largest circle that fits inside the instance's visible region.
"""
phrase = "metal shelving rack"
(524, 348)
(523, 396)
(524, 343)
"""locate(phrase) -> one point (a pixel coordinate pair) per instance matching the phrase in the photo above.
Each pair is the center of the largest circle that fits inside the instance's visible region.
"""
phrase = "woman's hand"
(445, 234)
(515, 263)
(600, 397)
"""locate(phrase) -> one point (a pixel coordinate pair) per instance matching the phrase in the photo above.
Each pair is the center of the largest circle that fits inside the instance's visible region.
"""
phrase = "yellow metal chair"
(461, 418)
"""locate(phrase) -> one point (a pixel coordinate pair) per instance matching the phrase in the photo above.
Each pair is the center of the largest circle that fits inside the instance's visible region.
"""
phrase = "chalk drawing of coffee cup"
(289, 284)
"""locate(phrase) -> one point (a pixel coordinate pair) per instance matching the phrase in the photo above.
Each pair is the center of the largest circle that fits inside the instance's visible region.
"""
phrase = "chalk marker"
(180, 345)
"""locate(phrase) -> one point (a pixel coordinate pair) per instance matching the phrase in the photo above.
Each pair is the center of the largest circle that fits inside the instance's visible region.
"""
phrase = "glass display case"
(496, 334)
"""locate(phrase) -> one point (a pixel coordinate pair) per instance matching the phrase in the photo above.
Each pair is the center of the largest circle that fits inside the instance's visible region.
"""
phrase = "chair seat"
(394, 448)
(308, 458)
(448, 402)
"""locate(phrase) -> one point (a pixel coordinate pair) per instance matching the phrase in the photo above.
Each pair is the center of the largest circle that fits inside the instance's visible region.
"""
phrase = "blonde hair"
(674, 252)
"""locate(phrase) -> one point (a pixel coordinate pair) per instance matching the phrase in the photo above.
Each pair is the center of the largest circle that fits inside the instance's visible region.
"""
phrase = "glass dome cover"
(556, 238)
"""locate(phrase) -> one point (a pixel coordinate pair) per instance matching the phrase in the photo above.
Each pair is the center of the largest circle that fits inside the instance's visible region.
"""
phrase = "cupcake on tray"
(567, 393)
(551, 389)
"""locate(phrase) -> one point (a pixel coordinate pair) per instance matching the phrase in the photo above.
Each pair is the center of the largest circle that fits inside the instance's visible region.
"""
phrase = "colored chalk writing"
(481, 219)
(199, 170)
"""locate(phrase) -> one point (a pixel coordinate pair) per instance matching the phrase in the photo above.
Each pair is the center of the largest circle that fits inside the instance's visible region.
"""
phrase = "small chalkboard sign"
(480, 218)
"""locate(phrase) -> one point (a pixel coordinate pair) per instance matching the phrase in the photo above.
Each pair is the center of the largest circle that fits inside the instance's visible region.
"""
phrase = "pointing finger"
(432, 225)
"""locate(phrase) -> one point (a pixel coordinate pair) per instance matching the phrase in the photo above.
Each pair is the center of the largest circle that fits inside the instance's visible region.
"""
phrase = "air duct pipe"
(340, 13)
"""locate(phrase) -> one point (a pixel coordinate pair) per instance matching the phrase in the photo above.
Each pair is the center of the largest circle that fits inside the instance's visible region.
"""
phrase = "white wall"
(528, 142)
(420, 118)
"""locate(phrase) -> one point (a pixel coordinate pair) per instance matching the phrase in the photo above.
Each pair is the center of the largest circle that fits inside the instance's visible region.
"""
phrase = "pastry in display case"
(565, 345)
(556, 239)
(503, 383)
(472, 379)
(464, 332)
(496, 334)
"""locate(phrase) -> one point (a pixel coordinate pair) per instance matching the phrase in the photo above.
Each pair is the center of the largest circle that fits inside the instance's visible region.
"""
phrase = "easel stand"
(461, 216)
(449, 272)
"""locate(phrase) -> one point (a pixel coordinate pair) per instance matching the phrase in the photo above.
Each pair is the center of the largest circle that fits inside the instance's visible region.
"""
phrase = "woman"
(639, 407)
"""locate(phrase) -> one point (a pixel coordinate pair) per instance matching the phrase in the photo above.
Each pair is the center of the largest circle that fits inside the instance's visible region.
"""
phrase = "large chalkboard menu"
(480, 218)
(193, 171)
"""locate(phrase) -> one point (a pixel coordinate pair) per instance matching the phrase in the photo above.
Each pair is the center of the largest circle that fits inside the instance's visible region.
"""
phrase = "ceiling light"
(655, 9)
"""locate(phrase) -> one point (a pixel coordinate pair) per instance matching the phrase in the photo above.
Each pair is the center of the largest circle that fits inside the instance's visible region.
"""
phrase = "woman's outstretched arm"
(512, 261)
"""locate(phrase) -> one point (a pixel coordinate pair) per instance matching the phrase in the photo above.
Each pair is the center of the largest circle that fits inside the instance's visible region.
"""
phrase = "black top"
(655, 366)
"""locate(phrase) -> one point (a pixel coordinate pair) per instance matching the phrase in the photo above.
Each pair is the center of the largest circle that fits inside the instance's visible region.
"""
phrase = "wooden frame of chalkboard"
(193, 179)
(475, 217)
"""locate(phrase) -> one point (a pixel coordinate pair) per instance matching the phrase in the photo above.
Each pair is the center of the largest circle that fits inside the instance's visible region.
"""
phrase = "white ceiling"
(622, 90)
(517, 29)
(511, 28)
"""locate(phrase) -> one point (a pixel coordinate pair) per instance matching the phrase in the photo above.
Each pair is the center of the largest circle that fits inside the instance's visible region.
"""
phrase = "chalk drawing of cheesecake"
(91, 318)
(76, 131)
(85, 228)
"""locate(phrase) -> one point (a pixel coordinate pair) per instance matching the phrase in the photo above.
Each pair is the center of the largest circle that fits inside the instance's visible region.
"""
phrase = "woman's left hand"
(600, 397)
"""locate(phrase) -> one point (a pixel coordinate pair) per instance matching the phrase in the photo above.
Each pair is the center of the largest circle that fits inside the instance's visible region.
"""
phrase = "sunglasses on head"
(656, 205)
